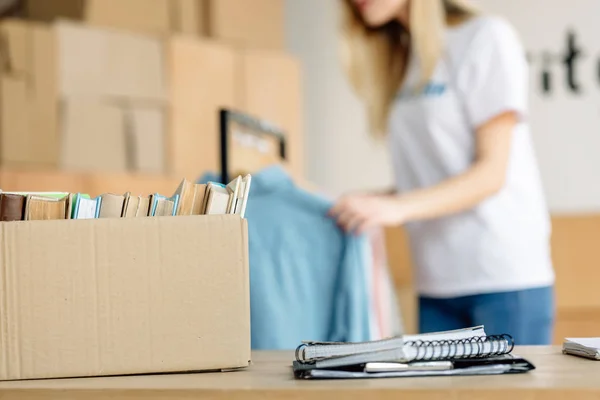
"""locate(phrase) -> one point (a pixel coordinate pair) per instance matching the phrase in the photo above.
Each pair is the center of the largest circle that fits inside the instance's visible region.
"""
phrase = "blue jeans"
(526, 315)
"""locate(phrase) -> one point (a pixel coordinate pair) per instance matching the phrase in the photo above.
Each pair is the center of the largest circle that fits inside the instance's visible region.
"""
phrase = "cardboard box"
(67, 60)
(124, 296)
(255, 24)
(191, 17)
(44, 94)
(10, 8)
(146, 130)
(15, 51)
(271, 88)
(84, 60)
(202, 79)
(104, 62)
(49, 10)
(93, 136)
(205, 75)
(146, 16)
(103, 135)
(27, 134)
(15, 143)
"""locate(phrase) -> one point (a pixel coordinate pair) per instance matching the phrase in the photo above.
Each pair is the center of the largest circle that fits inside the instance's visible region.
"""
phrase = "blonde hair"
(375, 59)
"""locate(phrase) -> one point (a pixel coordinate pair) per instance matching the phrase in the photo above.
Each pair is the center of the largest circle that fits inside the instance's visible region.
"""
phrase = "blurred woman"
(448, 87)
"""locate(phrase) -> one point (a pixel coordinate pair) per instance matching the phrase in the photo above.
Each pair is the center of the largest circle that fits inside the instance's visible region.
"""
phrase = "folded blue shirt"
(307, 277)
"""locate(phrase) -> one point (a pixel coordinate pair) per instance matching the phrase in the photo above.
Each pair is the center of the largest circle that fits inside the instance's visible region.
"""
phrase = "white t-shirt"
(503, 243)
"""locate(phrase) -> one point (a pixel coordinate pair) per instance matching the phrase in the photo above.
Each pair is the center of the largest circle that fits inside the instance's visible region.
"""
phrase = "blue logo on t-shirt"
(432, 89)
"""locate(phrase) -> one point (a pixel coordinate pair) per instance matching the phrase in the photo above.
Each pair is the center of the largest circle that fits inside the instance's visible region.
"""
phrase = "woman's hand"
(358, 213)
(462, 192)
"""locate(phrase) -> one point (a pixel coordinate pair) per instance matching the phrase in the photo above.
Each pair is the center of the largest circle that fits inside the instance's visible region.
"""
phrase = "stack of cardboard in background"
(143, 16)
(254, 24)
(136, 85)
(113, 99)
(202, 79)
(264, 83)
(270, 87)
(83, 98)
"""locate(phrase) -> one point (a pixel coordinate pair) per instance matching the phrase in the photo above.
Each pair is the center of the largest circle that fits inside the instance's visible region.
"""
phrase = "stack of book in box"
(188, 199)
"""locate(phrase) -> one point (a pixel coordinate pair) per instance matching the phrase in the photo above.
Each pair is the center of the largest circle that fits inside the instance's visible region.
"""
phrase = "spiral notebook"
(470, 348)
(505, 364)
(314, 351)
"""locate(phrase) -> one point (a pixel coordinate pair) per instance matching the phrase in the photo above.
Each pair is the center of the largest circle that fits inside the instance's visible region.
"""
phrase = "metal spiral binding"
(300, 354)
(464, 348)
(448, 349)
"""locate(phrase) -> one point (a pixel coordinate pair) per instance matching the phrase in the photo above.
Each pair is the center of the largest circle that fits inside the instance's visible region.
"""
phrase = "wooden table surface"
(557, 377)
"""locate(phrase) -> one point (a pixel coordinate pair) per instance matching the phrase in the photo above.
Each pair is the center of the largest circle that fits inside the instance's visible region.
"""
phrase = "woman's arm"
(483, 179)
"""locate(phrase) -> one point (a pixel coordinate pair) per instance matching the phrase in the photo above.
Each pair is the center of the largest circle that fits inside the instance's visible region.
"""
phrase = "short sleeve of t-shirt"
(493, 75)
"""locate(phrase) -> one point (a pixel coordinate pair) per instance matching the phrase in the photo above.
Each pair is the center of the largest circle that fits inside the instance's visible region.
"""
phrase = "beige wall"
(565, 122)
(333, 117)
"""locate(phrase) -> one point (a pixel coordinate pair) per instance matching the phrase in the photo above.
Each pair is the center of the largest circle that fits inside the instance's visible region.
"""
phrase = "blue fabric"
(526, 315)
(307, 278)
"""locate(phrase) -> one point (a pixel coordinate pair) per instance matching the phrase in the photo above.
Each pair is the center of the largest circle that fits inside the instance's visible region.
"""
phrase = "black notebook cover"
(506, 364)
